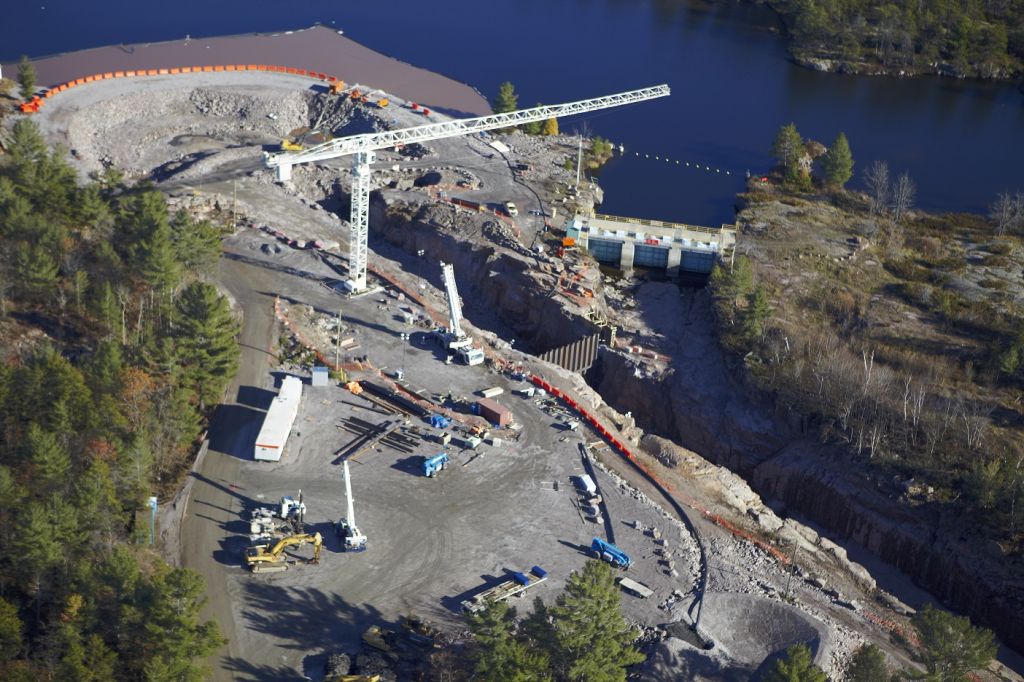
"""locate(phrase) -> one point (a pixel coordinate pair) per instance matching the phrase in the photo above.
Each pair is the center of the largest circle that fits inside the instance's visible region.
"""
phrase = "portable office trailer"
(278, 422)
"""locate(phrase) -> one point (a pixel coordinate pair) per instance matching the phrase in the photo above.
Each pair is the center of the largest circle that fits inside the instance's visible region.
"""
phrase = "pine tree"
(796, 666)
(26, 78)
(157, 259)
(207, 347)
(36, 270)
(50, 461)
(866, 665)
(499, 656)
(550, 127)
(788, 148)
(507, 100)
(10, 631)
(592, 638)
(838, 162)
(756, 314)
(951, 646)
(197, 245)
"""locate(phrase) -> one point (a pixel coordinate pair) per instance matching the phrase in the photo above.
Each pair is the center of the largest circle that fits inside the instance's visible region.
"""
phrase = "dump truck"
(606, 551)
(516, 586)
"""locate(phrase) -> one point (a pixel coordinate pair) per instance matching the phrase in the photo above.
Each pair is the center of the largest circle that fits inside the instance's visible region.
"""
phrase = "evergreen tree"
(197, 245)
(838, 162)
(756, 314)
(951, 647)
(207, 346)
(10, 631)
(157, 258)
(592, 638)
(49, 459)
(533, 127)
(36, 270)
(499, 656)
(507, 100)
(866, 665)
(796, 666)
(26, 78)
(550, 127)
(787, 149)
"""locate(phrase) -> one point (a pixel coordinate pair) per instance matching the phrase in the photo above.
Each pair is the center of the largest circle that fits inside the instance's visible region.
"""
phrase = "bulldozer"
(260, 559)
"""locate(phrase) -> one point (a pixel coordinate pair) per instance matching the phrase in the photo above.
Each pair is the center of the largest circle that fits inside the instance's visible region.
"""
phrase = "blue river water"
(732, 85)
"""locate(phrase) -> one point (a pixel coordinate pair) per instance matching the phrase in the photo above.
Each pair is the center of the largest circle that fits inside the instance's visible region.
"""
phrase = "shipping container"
(278, 422)
(492, 392)
(494, 412)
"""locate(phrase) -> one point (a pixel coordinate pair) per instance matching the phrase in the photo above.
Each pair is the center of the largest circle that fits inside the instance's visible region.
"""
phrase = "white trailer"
(278, 422)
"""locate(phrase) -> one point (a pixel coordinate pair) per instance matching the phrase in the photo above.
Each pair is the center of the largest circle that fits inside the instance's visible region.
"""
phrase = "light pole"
(405, 341)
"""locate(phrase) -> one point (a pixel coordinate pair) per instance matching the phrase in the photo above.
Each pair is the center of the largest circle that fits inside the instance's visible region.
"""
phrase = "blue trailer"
(610, 553)
(434, 464)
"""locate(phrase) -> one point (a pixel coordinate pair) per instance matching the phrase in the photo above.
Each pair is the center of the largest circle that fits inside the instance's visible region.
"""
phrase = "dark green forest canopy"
(129, 348)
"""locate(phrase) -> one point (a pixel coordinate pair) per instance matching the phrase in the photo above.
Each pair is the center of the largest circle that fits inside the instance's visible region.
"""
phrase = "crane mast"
(364, 146)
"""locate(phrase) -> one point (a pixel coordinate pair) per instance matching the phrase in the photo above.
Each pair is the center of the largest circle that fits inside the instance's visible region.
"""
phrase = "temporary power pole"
(363, 148)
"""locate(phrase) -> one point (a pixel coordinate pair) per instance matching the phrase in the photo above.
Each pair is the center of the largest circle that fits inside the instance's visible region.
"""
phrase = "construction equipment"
(432, 465)
(454, 339)
(516, 586)
(291, 146)
(364, 148)
(260, 559)
(610, 553)
(337, 87)
(352, 539)
(293, 510)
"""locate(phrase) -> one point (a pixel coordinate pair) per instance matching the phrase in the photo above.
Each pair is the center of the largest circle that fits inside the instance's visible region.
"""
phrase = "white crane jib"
(454, 304)
(350, 512)
(353, 539)
(364, 146)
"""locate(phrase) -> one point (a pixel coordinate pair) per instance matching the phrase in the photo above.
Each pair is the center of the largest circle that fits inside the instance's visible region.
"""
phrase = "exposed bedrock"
(696, 403)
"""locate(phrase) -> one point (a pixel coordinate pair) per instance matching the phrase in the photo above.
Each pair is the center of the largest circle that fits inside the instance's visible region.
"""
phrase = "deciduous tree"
(551, 126)
(903, 192)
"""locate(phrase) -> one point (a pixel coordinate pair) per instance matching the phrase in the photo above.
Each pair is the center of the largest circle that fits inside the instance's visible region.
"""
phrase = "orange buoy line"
(36, 103)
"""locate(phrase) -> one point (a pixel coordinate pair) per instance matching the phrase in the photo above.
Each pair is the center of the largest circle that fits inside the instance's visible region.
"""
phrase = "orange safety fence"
(35, 103)
(625, 452)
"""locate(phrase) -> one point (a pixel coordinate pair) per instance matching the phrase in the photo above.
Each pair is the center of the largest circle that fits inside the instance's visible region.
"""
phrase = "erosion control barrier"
(35, 104)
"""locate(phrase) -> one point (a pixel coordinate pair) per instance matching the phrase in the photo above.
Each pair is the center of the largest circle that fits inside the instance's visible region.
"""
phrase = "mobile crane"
(352, 538)
(454, 339)
(259, 559)
(365, 146)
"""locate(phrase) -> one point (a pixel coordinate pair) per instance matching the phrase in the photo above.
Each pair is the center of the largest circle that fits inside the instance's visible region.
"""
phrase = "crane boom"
(454, 304)
(364, 147)
(435, 131)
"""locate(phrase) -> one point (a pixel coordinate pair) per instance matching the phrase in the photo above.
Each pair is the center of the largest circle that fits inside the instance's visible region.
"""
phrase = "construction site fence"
(36, 102)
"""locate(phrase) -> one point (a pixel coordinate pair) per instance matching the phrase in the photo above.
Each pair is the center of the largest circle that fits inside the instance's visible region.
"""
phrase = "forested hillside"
(114, 350)
(975, 39)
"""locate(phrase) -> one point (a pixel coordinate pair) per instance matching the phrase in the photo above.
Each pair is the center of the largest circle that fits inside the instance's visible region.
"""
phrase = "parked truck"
(516, 586)
(433, 465)
(610, 553)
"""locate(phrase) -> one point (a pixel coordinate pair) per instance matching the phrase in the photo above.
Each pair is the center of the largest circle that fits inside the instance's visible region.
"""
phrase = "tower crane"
(351, 537)
(365, 146)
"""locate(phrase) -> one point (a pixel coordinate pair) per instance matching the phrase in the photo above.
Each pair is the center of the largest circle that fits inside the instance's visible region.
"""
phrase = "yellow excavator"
(260, 559)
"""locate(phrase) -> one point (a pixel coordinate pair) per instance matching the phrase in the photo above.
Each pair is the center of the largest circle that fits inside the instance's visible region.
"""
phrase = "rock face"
(696, 403)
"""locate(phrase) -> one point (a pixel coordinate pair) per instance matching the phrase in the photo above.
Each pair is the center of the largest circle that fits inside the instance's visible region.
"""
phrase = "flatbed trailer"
(516, 586)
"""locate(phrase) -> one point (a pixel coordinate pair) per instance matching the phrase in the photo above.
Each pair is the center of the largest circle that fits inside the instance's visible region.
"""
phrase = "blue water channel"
(732, 85)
